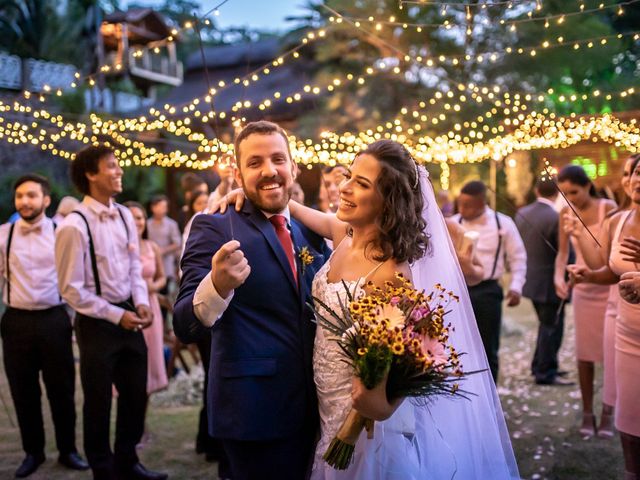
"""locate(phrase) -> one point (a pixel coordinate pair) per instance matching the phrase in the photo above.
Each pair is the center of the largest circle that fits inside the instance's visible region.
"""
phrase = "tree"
(475, 47)
(26, 27)
(43, 29)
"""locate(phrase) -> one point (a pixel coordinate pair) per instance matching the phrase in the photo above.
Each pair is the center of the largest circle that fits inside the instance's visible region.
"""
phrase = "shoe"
(211, 457)
(605, 429)
(588, 428)
(558, 382)
(29, 465)
(139, 472)
(73, 461)
(200, 448)
(562, 373)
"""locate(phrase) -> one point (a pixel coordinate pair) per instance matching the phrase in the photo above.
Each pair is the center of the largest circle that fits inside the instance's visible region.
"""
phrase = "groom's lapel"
(266, 228)
(298, 243)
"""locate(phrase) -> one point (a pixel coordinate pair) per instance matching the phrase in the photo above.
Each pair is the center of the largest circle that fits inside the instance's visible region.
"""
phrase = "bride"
(387, 222)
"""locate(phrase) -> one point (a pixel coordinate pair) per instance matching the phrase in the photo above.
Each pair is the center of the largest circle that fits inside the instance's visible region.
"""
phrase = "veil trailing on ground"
(458, 438)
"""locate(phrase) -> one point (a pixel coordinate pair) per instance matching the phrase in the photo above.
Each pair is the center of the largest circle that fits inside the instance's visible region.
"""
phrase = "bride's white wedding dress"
(392, 453)
(447, 439)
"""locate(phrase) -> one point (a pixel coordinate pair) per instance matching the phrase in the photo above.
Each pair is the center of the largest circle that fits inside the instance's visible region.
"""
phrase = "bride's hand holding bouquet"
(397, 342)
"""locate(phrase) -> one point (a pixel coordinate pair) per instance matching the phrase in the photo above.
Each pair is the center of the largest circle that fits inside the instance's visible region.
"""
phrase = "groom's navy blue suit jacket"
(260, 376)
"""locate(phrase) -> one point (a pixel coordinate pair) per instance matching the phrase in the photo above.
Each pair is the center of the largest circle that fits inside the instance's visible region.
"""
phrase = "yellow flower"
(362, 351)
(397, 348)
(305, 257)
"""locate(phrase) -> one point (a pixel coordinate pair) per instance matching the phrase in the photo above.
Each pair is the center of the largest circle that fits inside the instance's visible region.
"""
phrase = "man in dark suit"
(538, 226)
(245, 278)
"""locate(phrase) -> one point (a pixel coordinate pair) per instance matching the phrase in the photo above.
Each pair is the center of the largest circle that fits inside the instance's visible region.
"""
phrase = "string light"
(391, 21)
(456, 146)
(481, 57)
(246, 80)
(143, 124)
(508, 3)
(532, 132)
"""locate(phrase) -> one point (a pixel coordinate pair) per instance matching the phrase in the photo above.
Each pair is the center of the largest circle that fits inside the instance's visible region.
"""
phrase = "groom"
(244, 278)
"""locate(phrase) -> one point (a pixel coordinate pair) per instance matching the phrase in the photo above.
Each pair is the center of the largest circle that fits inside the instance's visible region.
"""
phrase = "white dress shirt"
(32, 266)
(208, 305)
(512, 251)
(117, 256)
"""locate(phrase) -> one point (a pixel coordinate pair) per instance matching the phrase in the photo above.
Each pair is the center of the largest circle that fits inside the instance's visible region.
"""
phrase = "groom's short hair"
(261, 127)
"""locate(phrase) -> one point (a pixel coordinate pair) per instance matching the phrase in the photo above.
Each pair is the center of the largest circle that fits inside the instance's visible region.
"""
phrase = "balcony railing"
(34, 75)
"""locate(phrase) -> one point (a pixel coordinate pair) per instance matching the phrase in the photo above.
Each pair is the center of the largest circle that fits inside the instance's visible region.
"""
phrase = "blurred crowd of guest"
(112, 271)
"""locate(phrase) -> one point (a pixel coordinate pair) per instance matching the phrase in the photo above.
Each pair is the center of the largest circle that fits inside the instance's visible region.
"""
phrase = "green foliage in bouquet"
(396, 332)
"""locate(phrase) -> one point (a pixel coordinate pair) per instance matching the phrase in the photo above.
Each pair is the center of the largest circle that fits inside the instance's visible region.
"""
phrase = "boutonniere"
(306, 258)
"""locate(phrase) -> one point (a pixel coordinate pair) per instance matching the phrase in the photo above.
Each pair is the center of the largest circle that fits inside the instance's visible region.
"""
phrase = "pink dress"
(627, 361)
(589, 305)
(153, 336)
(609, 370)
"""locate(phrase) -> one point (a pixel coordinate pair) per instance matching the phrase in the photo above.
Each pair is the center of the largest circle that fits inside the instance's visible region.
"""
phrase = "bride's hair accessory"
(414, 187)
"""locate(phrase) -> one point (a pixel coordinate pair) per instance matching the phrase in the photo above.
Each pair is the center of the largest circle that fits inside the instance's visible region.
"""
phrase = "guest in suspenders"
(36, 329)
(100, 276)
(499, 243)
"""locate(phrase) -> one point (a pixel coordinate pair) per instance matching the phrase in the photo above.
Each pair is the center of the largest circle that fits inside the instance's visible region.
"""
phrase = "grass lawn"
(542, 422)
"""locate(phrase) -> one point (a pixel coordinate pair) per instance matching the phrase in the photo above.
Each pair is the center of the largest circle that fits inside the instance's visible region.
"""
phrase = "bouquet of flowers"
(398, 333)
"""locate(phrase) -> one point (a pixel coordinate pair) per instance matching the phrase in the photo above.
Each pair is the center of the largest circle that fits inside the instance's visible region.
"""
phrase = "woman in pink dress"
(589, 301)
(595, 259)
(624, 258)
(153, 273)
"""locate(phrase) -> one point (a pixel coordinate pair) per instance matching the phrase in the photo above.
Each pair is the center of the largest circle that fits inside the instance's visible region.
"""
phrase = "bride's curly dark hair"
(400, 224)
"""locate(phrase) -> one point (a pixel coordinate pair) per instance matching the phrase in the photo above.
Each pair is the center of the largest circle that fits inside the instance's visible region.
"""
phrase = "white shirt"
(208, 305)
(512, 251)
(117, 256)
(32, 266)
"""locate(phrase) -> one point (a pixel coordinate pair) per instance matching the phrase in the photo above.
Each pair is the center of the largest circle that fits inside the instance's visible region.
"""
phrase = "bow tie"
(27, 229)
(107, 215)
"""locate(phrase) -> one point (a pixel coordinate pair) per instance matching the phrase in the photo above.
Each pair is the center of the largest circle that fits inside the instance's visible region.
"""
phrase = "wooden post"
(173, 59)
(124, 44)
(170, 189)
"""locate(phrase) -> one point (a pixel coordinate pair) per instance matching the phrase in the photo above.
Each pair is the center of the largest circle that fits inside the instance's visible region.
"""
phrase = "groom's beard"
(270, 201)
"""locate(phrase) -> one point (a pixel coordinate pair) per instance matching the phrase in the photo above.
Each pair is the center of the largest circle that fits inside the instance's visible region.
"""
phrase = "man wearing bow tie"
(36, 328)
(100, 276)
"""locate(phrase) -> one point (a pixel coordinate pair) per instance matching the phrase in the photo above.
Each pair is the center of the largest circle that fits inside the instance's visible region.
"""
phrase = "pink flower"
(394, 301)
(419, 313)
(435, 350)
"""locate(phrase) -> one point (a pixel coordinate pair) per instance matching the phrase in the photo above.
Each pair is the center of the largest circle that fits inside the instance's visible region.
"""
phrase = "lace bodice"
(331, 374)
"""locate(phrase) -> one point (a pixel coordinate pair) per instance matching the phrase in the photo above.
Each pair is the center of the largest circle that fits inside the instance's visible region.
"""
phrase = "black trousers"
(205, 442)
(550, 329)
(283, 459)
(35, 341)
(111, 355)
(486, 299)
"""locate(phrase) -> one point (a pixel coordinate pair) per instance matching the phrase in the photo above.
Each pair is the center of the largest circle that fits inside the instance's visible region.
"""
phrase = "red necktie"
(279, 222)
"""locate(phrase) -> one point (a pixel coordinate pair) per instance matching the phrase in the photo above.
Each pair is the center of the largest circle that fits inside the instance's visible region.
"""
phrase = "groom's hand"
(229, 268)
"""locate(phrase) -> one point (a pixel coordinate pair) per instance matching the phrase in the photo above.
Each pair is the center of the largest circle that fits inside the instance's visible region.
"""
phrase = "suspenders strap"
(11, 228)
(92, 253)
(124, 222)
(495, 259)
